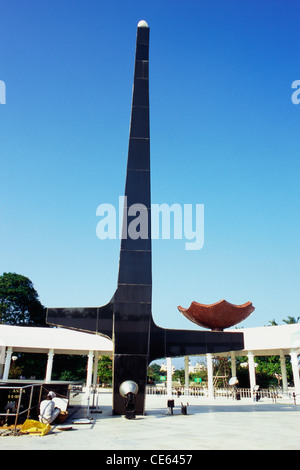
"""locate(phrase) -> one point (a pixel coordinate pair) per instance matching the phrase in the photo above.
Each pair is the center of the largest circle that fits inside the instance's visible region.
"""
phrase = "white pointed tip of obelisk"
(143, 24)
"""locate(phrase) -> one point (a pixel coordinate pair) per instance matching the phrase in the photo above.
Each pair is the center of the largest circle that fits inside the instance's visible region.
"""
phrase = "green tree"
(69, 367)
(179, 375)
(198, 375)
(291, 320)
(154, 372)
(268, 371)
(105, 370)
(32, 365)
(19, 302)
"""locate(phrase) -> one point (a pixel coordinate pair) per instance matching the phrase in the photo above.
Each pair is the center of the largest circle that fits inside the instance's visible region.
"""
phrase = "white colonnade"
(92, 366)
(251, 368)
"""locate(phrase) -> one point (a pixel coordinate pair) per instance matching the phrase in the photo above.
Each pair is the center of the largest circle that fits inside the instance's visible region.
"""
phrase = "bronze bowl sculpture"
(217, 316)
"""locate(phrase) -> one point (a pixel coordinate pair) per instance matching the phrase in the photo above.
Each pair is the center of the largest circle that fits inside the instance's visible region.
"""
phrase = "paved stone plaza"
(220, 424)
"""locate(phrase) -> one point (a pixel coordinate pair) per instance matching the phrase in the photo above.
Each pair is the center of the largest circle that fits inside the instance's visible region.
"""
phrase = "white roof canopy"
(271, 340)
(61, 340)
(262, 341)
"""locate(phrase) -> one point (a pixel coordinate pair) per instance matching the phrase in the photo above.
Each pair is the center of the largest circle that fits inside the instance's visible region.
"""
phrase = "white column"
(89, 370)
(2, 357)
(295, 367)
(95, 374)
(210, 378)
(251, 372)
(169, 377)
(186, 371)
(7, 363)
(233, 364)
(283, 372)
(49, 365)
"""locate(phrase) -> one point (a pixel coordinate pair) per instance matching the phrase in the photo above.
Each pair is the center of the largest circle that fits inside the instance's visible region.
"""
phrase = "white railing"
(161, 390)
(219, 392)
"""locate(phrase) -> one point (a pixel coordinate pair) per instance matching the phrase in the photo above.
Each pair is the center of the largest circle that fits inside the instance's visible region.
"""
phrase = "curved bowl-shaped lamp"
(129, 386)
(217, 316)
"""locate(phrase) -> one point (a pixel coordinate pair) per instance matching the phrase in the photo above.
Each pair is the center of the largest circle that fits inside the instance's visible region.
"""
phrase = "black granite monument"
(127, 318)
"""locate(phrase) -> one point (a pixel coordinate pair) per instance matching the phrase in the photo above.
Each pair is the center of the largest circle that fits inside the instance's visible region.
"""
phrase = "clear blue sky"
(224, 133)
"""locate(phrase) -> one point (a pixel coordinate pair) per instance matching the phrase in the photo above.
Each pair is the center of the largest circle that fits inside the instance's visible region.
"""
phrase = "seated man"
(48, 411)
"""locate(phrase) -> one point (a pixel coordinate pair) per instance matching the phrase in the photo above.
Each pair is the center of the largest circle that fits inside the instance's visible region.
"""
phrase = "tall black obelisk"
(132, 300)
(127, 318)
